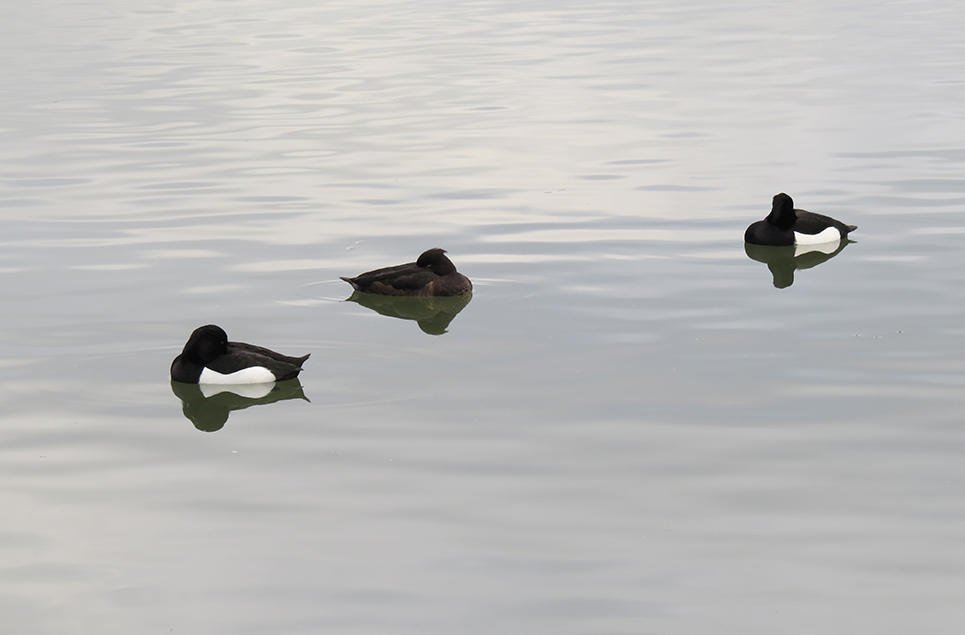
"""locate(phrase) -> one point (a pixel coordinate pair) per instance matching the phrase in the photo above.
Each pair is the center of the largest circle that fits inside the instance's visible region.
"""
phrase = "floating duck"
(209, 358)
(786, 226)
(433, 274)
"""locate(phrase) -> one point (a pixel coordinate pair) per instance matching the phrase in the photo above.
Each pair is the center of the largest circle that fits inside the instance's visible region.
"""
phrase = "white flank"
(251, 391)
(824, 248)
(828, 235)
(252, 375)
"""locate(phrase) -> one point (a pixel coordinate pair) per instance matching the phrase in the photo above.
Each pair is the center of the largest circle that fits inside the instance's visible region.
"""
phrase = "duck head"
(782, 213)
(435, 260)
(206, 344)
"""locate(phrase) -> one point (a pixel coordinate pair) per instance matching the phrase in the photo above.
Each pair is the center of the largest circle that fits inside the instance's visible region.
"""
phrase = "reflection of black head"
(780, 261)
(435, 260)
(437, 324)
(782, 212)
(783, 273)
(207, 416)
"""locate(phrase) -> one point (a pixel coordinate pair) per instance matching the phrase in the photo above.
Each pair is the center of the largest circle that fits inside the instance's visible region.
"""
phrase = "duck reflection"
(783, 261)
(432, 313)
(207, 405)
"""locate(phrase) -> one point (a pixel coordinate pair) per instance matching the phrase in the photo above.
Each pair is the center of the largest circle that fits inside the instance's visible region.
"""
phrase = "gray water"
(629, 429)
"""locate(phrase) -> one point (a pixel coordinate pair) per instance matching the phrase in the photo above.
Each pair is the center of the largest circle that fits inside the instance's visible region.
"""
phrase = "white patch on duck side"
(829, 234)
(824, 248)
(250, 375)
(251, 391)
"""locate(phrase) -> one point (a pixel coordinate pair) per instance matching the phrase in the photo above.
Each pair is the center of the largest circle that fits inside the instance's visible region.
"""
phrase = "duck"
(433, 274)
(209, 358)
(786, 226)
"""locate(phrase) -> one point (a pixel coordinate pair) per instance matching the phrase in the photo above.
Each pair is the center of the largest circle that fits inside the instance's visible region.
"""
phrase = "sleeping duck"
(209, 358)
(786, 226)
(433, 274)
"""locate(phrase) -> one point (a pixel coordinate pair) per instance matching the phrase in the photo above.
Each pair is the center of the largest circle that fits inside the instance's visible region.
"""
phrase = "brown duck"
(433, 274)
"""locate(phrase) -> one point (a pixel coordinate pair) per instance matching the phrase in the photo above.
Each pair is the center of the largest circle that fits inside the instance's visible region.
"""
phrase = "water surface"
(629, 429)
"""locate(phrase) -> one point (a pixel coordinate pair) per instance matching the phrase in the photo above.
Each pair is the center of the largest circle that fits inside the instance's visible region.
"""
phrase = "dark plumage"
(786, 226)
(433, 274)
(209, 348)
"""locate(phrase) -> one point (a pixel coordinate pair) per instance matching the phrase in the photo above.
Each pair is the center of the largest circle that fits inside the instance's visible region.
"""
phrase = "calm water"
(629, 429)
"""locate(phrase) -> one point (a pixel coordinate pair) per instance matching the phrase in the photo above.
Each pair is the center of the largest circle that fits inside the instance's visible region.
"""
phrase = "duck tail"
(351, 281)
